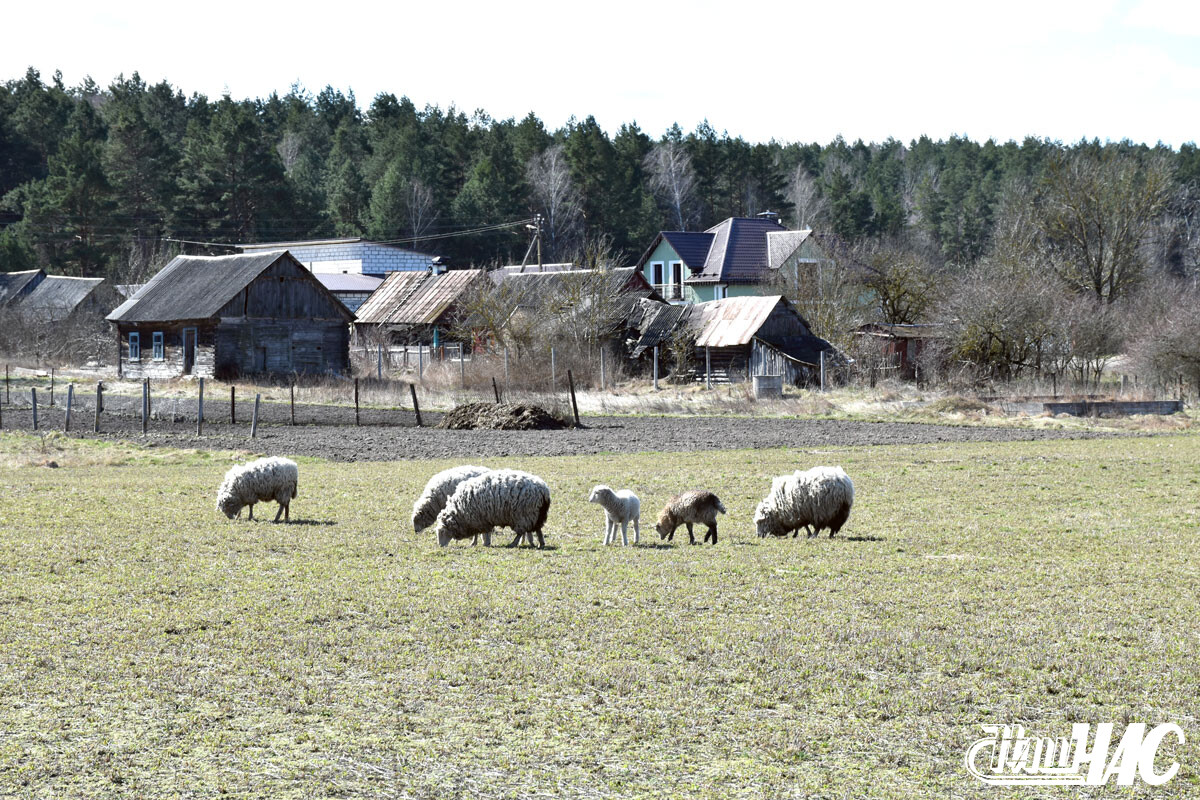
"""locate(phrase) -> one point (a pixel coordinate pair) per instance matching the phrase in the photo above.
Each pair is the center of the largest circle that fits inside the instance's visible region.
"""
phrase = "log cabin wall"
(171, 365)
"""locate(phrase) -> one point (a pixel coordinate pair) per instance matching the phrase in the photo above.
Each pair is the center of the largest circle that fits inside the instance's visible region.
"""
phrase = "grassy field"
(151, 648)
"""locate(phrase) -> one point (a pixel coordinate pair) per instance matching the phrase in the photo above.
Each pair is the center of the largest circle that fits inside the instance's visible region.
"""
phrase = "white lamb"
(258, 482)
(438, 491)
(502, 498)
(811, 499)
(620, 508)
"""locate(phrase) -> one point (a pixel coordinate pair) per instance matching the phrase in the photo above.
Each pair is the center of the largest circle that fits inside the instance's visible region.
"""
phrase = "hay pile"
(501, 417)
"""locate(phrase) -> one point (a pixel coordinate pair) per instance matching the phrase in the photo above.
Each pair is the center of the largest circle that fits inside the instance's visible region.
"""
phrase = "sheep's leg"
(278, 513)
(487, 538)
(691, 535)
(251, 511)
(608, 531)
(516, 540)
(712, 531)
(624, 533)
(637, 534)
(541, 540)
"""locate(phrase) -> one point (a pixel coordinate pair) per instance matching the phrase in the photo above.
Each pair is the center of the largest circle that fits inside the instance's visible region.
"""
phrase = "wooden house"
(739, 337)
(416, 307)
(224, 316)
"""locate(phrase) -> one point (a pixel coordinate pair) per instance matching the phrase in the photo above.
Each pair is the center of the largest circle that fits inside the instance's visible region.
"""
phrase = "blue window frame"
(135, 347)
(159, 355)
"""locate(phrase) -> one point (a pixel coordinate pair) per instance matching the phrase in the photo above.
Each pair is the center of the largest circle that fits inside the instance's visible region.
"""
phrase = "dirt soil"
(500, 417)
(391, 435)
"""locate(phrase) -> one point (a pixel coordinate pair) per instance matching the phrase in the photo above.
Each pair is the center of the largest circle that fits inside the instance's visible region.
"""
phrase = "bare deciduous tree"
(673, 180)
(549, 177)
(1097, 213)
(804, 193)
(905, 286)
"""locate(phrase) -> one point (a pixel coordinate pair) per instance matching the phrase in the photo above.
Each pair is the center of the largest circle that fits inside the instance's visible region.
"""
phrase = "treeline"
(95, 181)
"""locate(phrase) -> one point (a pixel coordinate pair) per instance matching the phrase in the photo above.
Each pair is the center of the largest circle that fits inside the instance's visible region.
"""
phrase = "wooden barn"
(416, 307)
(223, 316)
(740, 337)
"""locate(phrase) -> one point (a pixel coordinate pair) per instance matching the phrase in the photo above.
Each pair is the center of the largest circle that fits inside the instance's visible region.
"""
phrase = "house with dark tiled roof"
(740, 257)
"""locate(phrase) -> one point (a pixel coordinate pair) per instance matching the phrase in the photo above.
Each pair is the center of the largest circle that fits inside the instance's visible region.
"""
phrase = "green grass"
(152, 648)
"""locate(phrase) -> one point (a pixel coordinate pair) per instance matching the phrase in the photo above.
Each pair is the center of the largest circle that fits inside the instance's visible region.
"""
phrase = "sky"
(790, 71)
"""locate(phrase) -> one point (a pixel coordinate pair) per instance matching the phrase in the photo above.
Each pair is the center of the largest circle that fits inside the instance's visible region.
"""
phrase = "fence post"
(292, 399)
(574, 405)
(356, 401)
(495, 389)
(99, 405)
(33, 399)
(200, 411)
(254, 417)
(420, 363)
(656, 368)
(602, 376)
(232, 406)
(553, 371)
(462, 368)
(145, 405)
(379, 366)
(70, 399)
(52, 386)
(707, 367)
(7, 398)
(822, 359)
(412, 387)
(506, 370)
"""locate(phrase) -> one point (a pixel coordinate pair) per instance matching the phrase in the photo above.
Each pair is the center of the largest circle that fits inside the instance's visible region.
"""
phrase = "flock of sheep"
(468, 502)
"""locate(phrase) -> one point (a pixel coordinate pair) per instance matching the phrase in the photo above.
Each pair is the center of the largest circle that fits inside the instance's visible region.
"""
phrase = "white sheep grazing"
(620, 508)
(437, 492)
(258, 482)
(811, 499)
(502, 498)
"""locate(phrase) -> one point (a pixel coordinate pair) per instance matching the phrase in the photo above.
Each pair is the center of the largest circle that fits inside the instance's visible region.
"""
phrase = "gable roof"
(416, 297)
(197, 287)
(692, 247)
(739, 251)
(732, 321)
(57, 296)
(782, 244)
(12, 284)
(348, 281)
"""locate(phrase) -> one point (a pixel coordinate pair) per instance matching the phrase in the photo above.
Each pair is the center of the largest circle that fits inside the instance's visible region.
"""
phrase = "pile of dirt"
(501, 417)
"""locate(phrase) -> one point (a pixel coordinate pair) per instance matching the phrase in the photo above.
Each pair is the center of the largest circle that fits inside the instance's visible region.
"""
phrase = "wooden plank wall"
(171, 365)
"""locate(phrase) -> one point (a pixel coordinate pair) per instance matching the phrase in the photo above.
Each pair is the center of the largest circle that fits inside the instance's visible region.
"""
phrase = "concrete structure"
(348, 256)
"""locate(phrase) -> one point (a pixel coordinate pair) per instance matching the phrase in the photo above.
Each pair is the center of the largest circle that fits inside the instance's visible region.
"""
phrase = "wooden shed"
(417, 307)
(223, 316)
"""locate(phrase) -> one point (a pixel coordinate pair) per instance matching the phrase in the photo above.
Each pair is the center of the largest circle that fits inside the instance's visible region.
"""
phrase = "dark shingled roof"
(57, 296)
(194, 287)
(657, 325)
(692, 247)
(13, 283)
(739, 251)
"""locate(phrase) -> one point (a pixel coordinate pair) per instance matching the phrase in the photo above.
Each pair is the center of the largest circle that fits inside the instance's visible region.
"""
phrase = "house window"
(656, 273)
(158, 346)
(135, 347)
(676, 280)
(721, 292)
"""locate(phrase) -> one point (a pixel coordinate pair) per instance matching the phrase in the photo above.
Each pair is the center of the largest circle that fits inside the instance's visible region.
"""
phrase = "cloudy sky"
(793, 71)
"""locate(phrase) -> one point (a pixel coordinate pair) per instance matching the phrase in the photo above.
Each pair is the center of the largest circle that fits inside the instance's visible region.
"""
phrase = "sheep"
(620, 507)
(505, 497)
(437, 492)
(258, 482)
(688, 508)
(814, 499)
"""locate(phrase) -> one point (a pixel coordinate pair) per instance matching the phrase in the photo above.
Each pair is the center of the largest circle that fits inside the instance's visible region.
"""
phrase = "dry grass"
(153, 648)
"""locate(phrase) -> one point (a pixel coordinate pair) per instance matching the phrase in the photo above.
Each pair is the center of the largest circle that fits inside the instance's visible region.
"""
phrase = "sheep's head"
(229, 505)
(664, 527)
(597, 493)
(423, 516)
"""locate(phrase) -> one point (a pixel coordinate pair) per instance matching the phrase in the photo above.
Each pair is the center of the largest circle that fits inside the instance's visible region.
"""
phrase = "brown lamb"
(696, 506)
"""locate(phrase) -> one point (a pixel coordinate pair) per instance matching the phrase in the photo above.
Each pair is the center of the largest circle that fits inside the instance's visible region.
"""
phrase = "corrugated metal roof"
(57, 296)
(437, 295)
(13, 283)
(732, 321)
(194, 287)
(657, 325)
(347, 282)
(416, 297)
(391, 294)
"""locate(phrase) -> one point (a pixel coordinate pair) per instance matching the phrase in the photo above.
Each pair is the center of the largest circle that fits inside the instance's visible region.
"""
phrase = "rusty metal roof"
(392, 294)
(732, 321)
(417, 297)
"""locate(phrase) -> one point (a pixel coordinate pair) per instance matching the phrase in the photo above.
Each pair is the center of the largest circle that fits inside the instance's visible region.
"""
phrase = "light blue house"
(348, 256)
(740, 257)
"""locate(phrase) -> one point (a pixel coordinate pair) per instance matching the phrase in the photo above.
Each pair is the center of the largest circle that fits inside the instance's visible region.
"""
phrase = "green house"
(740, 257)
